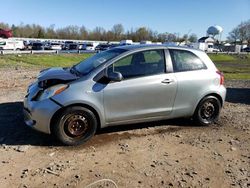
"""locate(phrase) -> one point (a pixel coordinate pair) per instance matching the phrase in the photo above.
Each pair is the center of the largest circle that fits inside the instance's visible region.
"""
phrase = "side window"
(153, 56)
(186, 61)
(139, 64)
(124, 62)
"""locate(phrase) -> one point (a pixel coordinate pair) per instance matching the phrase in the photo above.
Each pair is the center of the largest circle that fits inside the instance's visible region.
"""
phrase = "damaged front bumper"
(38, 114)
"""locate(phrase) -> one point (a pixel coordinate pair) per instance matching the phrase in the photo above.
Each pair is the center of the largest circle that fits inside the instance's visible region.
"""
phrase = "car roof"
(154, 46)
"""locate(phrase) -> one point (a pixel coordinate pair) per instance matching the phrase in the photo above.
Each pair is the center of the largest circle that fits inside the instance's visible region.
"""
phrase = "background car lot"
(48, 45)
(162, 154)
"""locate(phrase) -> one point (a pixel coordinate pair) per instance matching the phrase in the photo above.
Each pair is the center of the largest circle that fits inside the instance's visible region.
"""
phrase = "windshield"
(91, 63)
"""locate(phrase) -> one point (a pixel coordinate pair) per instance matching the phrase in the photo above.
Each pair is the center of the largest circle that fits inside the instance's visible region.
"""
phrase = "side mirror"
(115, 76)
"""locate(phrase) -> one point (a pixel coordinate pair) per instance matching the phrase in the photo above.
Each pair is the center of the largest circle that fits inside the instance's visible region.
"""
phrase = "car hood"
(57, 73)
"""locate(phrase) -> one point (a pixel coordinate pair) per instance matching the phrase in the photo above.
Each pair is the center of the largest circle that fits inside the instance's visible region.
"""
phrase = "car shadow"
(15, 132)
(238, 95)
(13, 129)
(179, 123)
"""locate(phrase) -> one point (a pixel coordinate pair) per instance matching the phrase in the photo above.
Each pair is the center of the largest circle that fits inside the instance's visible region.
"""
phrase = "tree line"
(241, 33)
(116, 33)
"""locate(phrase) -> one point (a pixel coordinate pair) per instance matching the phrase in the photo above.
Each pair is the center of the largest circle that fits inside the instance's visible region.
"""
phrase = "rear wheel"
(75, 125)
(207, 111)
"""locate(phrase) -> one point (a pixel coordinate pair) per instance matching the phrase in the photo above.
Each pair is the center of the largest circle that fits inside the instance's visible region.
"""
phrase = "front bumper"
(38, 114)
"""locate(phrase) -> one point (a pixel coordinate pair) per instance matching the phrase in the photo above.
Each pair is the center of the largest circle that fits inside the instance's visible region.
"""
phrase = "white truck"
(126, 42)
(146, 42)
(11, 45)
(207, 47)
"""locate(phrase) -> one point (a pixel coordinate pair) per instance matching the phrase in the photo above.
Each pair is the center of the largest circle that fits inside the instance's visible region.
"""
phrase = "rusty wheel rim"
(76, 125)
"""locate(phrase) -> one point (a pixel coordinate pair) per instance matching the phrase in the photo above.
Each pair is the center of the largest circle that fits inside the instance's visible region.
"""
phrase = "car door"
(146, 91)
(193, 80)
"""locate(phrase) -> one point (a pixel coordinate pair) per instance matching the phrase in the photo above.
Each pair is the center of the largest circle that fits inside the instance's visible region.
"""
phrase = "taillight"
(221, 77)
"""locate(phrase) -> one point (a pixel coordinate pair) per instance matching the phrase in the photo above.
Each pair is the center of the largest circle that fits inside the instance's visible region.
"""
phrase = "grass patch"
(222, 57)
(41, 60)
(233, 66)
(237, 76)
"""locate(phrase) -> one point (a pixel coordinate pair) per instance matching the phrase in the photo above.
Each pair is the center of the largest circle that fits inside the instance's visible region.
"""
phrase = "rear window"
(186, 61)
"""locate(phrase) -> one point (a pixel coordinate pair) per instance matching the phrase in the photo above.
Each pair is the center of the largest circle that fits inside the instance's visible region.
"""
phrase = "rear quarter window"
(186, 61)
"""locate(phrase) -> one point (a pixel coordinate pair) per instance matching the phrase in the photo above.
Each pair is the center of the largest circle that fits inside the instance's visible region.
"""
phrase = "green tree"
(4, 26)
(83, 33)
(193, 38)
(141, 34)
(40, 33)
(117, 30)
(240, 33)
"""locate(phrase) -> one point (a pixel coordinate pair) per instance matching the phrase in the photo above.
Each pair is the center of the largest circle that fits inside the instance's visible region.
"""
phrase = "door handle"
(167, 81)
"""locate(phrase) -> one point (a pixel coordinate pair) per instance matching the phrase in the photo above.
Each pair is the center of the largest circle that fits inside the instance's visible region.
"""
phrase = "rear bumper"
(222, 92)
(38, 114)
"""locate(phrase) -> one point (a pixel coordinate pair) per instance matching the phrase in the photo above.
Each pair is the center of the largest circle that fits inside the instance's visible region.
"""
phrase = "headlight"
(51, 91)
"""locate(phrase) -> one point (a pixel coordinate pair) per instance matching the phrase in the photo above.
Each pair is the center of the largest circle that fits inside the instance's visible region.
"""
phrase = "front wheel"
(75, 125)
(207, 111)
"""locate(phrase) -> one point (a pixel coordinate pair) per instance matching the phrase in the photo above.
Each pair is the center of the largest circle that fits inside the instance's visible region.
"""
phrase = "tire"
(207, 111)
(75, 125)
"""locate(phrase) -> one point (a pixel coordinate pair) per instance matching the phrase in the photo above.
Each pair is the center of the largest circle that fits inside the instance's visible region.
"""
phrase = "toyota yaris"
(127, 84)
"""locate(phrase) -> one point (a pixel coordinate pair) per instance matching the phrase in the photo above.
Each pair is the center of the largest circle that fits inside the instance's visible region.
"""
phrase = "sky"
(175, 16)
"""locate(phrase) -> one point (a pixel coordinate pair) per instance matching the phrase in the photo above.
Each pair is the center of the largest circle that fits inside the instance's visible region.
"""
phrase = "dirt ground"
(172, 153)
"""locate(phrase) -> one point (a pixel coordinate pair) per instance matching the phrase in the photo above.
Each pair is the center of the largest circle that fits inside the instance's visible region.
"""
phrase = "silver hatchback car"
(127, 84)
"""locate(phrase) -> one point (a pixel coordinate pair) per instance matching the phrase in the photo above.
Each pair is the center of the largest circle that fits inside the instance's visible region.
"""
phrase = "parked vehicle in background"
(66, 44)
(37, 46)
(146, 42)
(55, 46)
(102, 47)
(216, 49)
(88, 46)
(114, 45)
(123, 85)
(247, 49)
(73, 46)
(80, 46)
(5, 33)
(126, 42)
(11, 45)
(28, 45)
(46, 45)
